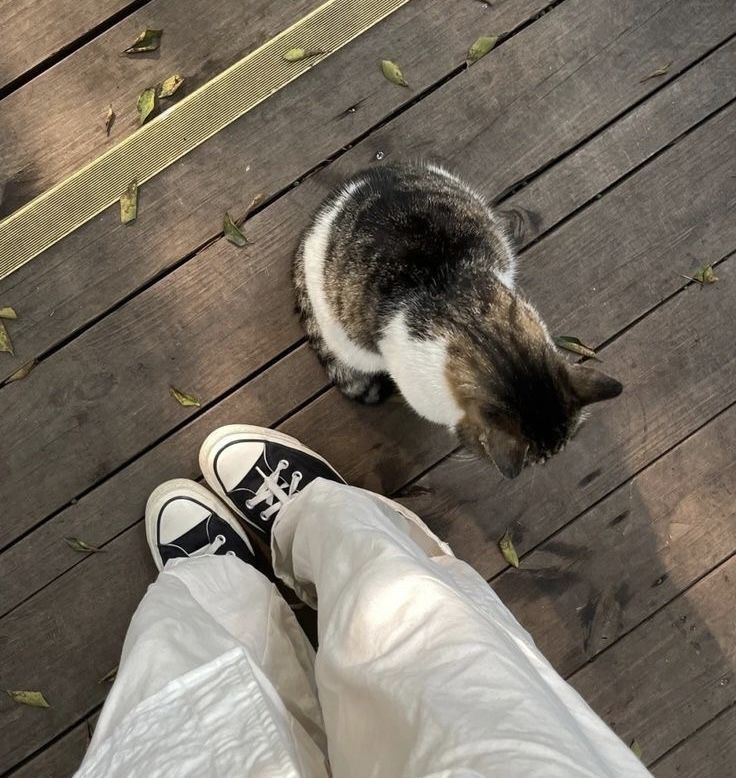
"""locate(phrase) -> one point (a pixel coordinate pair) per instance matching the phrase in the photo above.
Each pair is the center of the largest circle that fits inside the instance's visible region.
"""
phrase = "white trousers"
(421, 670)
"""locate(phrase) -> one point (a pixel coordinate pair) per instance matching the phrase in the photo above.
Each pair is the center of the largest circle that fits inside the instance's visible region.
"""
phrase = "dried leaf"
(657, 73)
(6, 345)
(296, 55)
(170, 85)
(129, 203)
(148, 40)
(232, 232)
(21, 372)
(636, 748)
(575, 345)
(80, 545)
(704, 276)
(184, 399)
(146, 104)
(480, 48)
(8, 313)
(109, 676)
(506, 547)
(393, 72)
(109, 120)
(255, 200)
(34, 699)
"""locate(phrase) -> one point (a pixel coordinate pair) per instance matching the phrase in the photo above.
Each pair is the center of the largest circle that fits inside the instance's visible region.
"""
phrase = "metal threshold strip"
(152, 148)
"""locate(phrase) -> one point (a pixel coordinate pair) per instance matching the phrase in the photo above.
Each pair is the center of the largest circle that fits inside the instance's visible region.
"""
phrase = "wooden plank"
(39, 29)
(119, 502)
(59, 760)
(471, 507)
(56, 123)
(102, 583)
(265, 151)
(106, 393)
(580, 51)
(710, 753)
(624, 150)
(672, 674)
(628, 556)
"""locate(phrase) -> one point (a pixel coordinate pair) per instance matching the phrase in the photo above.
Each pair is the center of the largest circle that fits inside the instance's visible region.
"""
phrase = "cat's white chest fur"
(419, 369)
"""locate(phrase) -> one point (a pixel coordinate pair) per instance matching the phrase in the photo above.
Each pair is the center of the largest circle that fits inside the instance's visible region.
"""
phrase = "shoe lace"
(211, 548)
(275, 490)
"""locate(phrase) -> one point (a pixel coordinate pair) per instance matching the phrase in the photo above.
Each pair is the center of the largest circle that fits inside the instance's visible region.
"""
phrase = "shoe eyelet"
(220, 538)
(229, 553)
(263, 516)
(297, 475)
(282, 464)
(249, 505)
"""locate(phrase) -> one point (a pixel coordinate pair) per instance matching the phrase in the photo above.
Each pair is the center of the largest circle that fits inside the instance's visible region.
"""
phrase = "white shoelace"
(211, 548)
(275, 494)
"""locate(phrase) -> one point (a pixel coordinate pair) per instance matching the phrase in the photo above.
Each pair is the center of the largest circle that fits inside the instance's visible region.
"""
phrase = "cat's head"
(522, 400)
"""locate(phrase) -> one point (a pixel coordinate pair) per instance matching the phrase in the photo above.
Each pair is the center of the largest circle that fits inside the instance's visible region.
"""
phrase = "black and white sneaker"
(183, 519)
(256, 470)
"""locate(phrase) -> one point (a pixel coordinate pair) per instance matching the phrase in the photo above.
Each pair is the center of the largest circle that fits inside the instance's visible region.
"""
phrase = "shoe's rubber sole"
(223, 436)
(183, 487)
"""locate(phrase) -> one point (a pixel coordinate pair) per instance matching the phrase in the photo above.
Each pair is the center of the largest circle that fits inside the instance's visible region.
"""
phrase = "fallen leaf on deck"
(232, 232)
(129, 203)
(170, 85)
(636, 748)
(22, 372)
(148, 40)
(480, 48)
(146, 104)
(109, 120)
(506, 547)
(256, 200)
(80, 545)
(704, 276)
(657, 73)
(109, 676)
(34, 699)
(393, 72)
(6, 345)
(8, 313)
(296, 55)
(184, 399)
(575, 345)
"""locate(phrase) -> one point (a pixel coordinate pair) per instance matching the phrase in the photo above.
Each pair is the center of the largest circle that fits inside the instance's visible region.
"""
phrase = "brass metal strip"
(66, 206)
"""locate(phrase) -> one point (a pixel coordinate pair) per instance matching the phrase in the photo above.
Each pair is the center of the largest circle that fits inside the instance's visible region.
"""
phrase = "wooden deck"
(617, 185)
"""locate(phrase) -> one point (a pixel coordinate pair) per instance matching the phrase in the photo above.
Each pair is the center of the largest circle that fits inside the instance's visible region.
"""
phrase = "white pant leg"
(216, 679)
(421, 669)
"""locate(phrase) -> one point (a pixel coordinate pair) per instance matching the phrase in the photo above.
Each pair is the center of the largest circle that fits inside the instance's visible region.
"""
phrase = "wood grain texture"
(520, 107)
(710, 753)
(59, 760)
(674, 673)
(56, 123)
(35, 30)
(654, 536)
(119, 502)
(264, 151)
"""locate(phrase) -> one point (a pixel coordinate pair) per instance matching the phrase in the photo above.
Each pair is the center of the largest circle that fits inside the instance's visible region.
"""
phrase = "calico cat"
(405, 277)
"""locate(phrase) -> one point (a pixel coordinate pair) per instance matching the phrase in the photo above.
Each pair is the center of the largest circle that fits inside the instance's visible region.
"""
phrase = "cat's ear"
(592, 386)
(507, 451)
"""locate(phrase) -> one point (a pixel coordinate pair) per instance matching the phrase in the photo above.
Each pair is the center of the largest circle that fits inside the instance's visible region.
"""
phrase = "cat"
(405, 278)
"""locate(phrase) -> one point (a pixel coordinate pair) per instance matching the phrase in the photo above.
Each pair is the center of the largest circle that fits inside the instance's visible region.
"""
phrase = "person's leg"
(216, 676)
(421, 670)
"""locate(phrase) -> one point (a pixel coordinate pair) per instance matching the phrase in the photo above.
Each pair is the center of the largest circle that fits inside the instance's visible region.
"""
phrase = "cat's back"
(406, 227)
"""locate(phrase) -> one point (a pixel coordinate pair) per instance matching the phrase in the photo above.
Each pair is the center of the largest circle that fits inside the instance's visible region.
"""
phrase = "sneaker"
(183, 519)
(256, 471)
